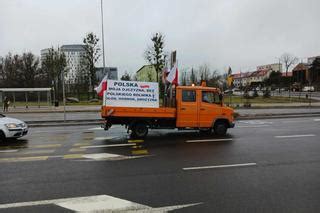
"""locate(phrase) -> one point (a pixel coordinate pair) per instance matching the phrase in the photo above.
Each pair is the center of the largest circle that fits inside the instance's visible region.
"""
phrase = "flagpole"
(102, 31)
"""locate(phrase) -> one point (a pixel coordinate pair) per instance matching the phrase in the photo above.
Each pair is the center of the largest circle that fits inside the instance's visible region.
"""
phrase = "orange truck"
(196, 107)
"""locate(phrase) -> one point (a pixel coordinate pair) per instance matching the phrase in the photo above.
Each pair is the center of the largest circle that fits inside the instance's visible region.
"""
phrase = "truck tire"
(207, 131)
(139, 130)
(220, 128)
(2, 137)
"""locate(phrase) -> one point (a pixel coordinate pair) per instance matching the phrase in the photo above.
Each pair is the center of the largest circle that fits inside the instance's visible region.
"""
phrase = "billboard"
(131, 94)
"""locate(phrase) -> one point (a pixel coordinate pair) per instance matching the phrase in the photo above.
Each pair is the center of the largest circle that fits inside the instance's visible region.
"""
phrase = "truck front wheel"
(220, 128)
(139, 130)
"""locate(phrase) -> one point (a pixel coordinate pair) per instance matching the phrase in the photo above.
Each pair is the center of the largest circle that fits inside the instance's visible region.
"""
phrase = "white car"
(11, 128)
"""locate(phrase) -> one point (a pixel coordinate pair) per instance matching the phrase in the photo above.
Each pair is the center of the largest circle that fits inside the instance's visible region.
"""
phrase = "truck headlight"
(11, 126)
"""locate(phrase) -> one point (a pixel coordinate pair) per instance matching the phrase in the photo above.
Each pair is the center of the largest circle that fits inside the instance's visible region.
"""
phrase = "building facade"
(255, 78)
(147, 73)
(73, 53)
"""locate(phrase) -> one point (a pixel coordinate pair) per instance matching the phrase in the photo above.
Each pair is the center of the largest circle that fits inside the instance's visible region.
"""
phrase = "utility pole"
(102, 32)
(63, 96)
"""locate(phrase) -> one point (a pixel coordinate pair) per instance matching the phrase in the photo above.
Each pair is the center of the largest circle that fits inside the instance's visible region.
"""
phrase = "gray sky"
(237, 33)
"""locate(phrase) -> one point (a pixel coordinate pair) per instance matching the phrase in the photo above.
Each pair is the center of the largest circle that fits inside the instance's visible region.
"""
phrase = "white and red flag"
(173, 75)
(102, 86)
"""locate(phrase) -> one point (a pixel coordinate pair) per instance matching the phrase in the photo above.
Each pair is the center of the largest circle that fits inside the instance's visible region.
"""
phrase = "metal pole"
(64, 97)
(102, 32)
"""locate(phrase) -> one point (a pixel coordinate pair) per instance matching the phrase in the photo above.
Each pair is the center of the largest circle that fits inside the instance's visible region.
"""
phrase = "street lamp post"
(63, 96)
(102, 32)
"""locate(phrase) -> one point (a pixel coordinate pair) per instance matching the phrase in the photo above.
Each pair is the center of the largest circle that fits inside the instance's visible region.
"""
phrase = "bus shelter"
(26, 96)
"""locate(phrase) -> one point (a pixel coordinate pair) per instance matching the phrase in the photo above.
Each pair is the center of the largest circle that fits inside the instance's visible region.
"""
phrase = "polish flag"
(102, 86)
(173, 75)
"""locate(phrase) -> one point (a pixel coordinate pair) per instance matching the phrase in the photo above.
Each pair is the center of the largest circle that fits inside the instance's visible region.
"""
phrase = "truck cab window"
(210, 97)
(188, 95)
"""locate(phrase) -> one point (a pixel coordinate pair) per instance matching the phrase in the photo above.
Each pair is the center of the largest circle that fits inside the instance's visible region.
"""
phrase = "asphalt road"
(260, 166)
(29, 117)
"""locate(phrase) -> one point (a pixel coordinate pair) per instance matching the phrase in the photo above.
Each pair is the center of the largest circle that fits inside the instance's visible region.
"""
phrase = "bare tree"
(155, 54)
(53, 64)
(288, 60)
(91, 56)
(204, 72)
(126, 76)
(193, 76)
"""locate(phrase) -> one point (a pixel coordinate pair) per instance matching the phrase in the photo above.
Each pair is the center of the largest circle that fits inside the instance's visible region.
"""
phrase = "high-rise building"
(73, 54)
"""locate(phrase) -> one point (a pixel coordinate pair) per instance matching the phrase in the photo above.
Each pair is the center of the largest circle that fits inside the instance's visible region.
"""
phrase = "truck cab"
(202, 107)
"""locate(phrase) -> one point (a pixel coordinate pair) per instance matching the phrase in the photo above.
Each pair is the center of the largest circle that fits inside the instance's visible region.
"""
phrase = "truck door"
(209, 109)
(187, 109)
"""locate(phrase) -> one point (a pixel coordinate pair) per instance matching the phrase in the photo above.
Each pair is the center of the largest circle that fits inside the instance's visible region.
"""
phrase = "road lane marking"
(76, 150)
(82, 144)
(22, 159)
(97, 203)
(73, 156)
(105, 138)
(140, 152)
(46, 146)
(252, 126)
(219, 166)
(108, 145)
(47, 151)
(135, 141)
(294, 136)
(317, 119)
(209, 140)
(8, 151)
(96, 128)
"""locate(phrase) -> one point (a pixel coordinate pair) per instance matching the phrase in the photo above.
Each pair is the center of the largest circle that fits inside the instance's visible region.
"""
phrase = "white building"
(274, 67)
(73, 54)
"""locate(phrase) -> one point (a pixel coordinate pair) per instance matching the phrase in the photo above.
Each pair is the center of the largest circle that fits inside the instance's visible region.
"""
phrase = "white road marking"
(209, 140)
(219, 166)
(294, 136)
(111, 157)
(8, 151)
(105, 138)
(108, 145)
(255, 122)
(317, 119)
(252, 126)
(96, 128)
(97, 203)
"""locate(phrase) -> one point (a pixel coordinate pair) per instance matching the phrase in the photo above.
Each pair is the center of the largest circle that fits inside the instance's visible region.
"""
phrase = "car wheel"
(220, 128)
(139, 130)
(2, 137)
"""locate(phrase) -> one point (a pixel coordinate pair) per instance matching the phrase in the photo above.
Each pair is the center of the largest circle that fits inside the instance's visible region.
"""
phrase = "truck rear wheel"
(139, 130)
(220, 128)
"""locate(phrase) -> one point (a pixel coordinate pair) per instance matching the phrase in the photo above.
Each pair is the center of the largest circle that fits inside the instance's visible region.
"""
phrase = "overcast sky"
(237, 33)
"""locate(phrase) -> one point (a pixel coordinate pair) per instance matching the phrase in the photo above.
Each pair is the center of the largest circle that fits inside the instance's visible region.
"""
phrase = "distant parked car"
(11, 128)
(308, 89)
